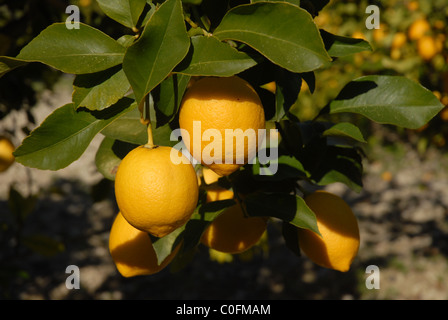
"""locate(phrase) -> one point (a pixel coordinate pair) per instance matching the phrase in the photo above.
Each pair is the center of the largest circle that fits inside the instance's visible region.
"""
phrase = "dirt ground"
(402, 214)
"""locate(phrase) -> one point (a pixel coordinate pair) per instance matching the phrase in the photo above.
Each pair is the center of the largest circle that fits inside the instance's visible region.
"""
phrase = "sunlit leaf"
(162, 45)
(294, 44)
(65, 134)
(391, 100)
(83, 50)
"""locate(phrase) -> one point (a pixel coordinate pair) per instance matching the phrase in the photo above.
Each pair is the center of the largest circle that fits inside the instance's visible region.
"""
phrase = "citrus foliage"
(166, 44)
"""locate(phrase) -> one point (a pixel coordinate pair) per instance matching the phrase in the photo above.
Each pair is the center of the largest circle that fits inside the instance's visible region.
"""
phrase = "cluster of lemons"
(421, 33)
(156, 196)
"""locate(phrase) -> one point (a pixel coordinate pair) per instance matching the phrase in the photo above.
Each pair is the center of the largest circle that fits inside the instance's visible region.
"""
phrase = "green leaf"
(345, 130)
(288, 86)
(165, 245)
(44, 245)
(286, 207)
(201, 218)
(210, 57)
(338, 46)
(391, 100)
(109, 155)
(126, 12)
(128, 128)
(97, 91)
(83, 50)
(65, 134)
(162, 45)
(295, 2)
(339, 164)
(283, 168)
(126, 40)
(162, 136)
(282, 32)
(191, 232)
(168, 97)
(7, 64)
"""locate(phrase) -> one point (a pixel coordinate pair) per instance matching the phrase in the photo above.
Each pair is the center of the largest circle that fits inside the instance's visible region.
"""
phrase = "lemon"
(232, 232)
(223, 107)
(132, 250)
(338, 226)
(154, 193)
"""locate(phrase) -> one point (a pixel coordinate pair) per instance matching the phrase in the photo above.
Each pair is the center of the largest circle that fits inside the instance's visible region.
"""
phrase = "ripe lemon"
(399, 40)
(413, 6)
(132, 251)
(6, 156)
(217, 104)
(427, 47)
(340, 239)
(153, 193)
(210, 176)
(418, 29)
(232, 232)
(379, 35)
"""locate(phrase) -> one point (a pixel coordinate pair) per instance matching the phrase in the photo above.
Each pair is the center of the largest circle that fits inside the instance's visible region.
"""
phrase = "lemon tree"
(129, 87)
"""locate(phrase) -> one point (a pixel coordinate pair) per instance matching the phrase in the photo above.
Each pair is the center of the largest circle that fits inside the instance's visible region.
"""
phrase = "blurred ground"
(402, 214)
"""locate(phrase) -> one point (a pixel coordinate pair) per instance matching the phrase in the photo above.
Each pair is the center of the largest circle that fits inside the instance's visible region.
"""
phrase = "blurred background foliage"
(411, 41)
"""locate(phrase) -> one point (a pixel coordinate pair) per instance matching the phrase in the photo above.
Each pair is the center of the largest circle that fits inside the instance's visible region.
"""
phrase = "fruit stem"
(145, 118)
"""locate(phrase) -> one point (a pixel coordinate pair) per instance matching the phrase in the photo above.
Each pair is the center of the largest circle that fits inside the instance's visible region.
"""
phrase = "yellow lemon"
(338, 226)
(155, 193)
(132, 250)
(220, 118)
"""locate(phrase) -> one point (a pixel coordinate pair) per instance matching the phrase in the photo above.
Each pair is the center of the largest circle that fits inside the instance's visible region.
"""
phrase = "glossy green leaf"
(162, 45)
(168, 97)
(391, 100)
(345, 130)
(126, 40)
(109, 155)
(77, 51)
(286, 207)
(210, 57)
(294, 44)
(65, 134)
(7, 64)
(126, 12)
(338, 46)
(97, 91)
(162, 136)
(128, 128)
